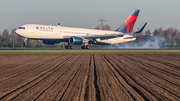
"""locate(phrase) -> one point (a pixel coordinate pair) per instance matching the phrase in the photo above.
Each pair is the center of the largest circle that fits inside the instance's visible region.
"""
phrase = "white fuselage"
(39, 32)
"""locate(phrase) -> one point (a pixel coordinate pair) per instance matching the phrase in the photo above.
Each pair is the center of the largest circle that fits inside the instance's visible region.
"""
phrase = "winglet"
(142, 28)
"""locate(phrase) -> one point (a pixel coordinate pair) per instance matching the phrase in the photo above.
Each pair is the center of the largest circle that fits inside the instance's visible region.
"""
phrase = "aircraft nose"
(17, 31)
(20, 31)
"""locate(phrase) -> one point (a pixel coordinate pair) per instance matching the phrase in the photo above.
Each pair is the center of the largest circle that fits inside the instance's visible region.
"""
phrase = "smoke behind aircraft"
(152, 42)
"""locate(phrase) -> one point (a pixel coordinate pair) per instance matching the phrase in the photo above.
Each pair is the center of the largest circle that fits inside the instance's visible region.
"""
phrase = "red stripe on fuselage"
(128, 22)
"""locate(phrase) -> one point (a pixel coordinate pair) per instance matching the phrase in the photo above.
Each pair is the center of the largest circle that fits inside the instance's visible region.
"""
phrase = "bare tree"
(107, 27)
(5, 33)
(97, 28)
(147, 32)
(13, 34)
(175, 33)
(159, 32)
(5, 38)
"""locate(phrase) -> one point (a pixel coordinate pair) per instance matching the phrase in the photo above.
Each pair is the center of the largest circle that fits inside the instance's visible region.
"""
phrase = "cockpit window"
(21, 28)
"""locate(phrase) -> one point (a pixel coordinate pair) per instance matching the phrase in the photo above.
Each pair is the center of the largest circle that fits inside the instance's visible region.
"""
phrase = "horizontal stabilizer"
(141, 29)
(137, 36)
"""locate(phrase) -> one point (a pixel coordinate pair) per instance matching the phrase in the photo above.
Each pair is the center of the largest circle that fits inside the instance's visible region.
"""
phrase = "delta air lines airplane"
(80, 36)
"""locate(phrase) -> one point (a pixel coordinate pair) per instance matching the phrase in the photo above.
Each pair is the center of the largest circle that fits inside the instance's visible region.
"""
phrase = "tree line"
(166, 37)
(169, 37)
(10, 39)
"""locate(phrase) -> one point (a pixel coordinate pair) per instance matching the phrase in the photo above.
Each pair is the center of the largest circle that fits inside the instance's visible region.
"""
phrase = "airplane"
(81, 36)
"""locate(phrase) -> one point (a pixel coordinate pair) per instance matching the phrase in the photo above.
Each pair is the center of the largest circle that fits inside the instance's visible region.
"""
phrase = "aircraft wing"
(109, 36)
(105, 36)
(115, 35)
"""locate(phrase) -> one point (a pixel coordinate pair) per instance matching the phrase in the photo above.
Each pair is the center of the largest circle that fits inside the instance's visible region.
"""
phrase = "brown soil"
(125, 77)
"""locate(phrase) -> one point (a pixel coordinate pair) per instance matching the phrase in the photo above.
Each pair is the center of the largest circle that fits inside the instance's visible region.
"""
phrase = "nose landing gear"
(25, 41)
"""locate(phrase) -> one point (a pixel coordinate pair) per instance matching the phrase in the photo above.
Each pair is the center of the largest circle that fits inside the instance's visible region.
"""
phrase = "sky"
(86, 13)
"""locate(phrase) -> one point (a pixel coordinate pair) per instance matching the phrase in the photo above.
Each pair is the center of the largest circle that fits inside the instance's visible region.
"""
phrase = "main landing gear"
(82, 47)
(85, 47)
(69, 47)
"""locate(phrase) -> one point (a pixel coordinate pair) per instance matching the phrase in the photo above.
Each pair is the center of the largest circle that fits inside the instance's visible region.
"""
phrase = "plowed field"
(125, 77)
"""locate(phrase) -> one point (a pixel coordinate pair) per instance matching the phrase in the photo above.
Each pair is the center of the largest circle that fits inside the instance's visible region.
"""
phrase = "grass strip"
(65, 52)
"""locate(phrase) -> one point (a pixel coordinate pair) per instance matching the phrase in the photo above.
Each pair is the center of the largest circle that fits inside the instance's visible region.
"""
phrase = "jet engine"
(76, 40)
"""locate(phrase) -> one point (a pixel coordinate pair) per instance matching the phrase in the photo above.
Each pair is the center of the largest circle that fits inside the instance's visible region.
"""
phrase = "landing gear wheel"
(25, 41)
(69, 47)
(87, 47)
(24, 44)
(83, 47)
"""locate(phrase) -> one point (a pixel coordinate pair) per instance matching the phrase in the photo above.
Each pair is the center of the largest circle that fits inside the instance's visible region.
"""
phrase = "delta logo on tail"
(128, 25)
(130, 22)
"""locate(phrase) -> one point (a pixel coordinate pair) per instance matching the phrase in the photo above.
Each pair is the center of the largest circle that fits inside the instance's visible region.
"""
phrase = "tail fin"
(128, 25)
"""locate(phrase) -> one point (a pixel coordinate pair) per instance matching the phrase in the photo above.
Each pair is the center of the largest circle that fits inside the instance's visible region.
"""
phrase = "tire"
(71, 47)
(87, 47)
(82, 47)
(67, 47)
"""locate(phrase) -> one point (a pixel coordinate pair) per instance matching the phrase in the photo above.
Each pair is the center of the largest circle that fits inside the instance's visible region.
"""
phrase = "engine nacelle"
(50, 42)
(76, 40)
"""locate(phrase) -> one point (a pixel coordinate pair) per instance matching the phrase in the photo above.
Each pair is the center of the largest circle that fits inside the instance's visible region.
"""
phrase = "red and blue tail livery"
(128, 25)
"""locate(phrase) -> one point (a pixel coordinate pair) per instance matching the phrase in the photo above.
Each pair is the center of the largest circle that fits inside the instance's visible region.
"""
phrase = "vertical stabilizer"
(128, 25)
